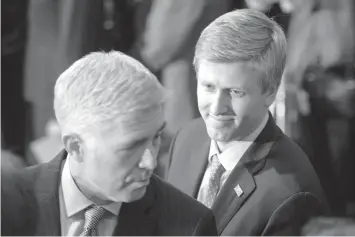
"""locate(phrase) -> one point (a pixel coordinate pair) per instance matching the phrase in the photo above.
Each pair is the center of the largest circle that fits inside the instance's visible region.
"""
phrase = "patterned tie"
(93, 215)
(209, 192)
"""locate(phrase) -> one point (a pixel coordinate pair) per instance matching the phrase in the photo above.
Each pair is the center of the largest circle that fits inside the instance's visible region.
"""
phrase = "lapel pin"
(238, 190)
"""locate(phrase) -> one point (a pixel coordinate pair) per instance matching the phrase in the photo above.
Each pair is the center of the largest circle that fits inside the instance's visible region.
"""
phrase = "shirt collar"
(235, 150)
(74, 200)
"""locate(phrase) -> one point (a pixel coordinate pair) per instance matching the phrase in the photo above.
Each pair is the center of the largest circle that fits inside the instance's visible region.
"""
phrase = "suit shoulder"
(288, 153)
(31, 172)
(286, 144)
(174, 198)
(19, 206)
(291, 169)
(195, 126)
(180, 214)
(195, 123)
(296, 210)
(192, 132)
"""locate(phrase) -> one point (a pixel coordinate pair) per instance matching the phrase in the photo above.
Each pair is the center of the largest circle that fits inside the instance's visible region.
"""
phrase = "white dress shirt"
(72, 203)
(230, 157)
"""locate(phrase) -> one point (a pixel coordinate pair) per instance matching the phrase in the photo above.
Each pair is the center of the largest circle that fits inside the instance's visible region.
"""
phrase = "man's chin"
(136, 194)
(219, 136)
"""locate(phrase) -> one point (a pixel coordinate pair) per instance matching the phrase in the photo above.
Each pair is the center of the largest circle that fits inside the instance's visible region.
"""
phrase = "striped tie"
(209, 192)
(93, 215)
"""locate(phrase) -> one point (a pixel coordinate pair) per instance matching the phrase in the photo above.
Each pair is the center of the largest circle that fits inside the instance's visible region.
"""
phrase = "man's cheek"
(204, 105)
(241, 107)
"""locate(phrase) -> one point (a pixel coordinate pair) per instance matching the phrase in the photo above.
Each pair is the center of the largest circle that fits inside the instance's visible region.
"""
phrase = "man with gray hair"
(235, 159)
(109, 109)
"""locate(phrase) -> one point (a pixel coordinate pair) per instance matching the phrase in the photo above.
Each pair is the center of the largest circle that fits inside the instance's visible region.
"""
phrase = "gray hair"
(104, 86)
(245, 35)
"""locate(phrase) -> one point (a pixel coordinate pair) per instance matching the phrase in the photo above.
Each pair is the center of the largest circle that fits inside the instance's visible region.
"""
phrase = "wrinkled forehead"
(135, 124)
(142, 121)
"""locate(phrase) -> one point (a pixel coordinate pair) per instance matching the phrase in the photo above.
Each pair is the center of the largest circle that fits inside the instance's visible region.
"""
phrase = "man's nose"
(219, 103)
(148, 161)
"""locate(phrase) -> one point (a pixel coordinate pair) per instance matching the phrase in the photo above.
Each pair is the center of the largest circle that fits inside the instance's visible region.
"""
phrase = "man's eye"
(237, 93)
(157, 140)
(133, 145)
(208, 87)
(157, 136)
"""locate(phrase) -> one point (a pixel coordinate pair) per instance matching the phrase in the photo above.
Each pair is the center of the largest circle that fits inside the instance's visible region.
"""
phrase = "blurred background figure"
(13, 44)
(279, 10)
(320, 87)
(329, 226)
(315, 104)
(11, 160)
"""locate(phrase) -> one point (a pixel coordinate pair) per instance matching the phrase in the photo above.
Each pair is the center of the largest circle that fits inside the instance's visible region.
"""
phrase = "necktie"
(93, 215)
(209, 192)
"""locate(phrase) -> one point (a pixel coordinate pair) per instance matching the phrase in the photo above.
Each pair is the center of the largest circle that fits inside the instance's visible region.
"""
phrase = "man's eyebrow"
(132, 144)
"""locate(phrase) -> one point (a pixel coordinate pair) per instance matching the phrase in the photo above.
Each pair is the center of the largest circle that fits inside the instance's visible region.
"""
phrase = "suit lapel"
(241, 180)
(139, 217)
(228, 202)
(46, 191)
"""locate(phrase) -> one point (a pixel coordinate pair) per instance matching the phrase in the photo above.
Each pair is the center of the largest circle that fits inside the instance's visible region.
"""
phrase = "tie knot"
(216, 166)
(93, 215)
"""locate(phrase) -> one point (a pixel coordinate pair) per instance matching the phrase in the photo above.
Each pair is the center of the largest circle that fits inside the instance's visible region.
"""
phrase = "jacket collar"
(135, 218)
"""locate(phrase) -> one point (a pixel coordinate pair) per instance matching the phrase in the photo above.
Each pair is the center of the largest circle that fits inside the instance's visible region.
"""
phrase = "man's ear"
(270, 97)
(74, 145)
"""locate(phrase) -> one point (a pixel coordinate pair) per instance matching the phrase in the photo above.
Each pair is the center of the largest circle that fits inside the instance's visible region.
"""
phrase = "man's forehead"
(134, 123)
(136, 126)
(231, 75)
(130, 137)
(141, 129)
(228, 67)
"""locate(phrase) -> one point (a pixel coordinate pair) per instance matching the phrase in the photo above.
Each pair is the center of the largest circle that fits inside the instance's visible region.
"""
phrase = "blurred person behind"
(168, 42)
(109, 109)
(60, 32)
(320, 87)
(9, 159)
(235, 159)
(329, 226)
(279, 11)
(13, 45)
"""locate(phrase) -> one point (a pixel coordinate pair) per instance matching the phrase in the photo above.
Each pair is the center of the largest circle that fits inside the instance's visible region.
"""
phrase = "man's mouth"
(141, 179)
(143, 183)
(222, 118)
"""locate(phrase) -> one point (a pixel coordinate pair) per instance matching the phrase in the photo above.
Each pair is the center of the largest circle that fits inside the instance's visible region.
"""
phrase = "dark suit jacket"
(18, 206)
(163, 210)
(280, 188)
